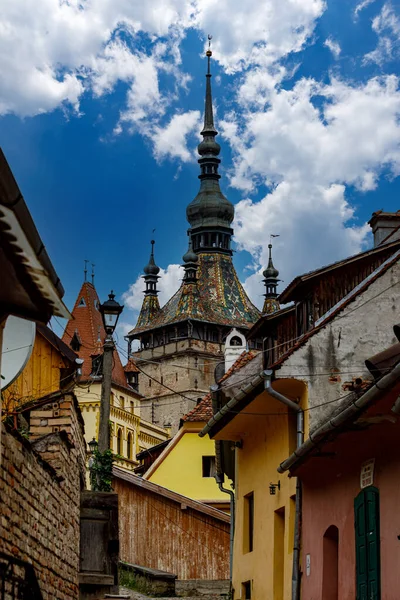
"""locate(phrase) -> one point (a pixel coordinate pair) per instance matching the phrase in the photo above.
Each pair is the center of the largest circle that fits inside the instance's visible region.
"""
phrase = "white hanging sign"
(367, 473)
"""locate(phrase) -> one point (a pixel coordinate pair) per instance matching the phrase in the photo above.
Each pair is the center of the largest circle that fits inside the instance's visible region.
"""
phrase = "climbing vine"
(100, 466)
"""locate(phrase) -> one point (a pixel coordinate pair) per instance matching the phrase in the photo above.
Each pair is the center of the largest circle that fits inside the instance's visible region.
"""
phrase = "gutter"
(258, 380)
(374, 392)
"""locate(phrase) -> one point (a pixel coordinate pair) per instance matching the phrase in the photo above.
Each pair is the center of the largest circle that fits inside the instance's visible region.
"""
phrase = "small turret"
(151, 272)
(271, 303)
(190, 265)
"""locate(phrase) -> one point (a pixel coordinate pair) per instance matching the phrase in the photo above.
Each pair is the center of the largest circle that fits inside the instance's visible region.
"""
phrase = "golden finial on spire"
(209, 53)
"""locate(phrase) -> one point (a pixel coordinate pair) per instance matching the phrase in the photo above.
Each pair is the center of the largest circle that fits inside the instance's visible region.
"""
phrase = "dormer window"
(97, 366)
(76, 342)
(82, 302)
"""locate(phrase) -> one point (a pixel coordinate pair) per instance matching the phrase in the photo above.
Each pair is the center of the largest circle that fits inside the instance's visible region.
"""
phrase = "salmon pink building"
(350, 474)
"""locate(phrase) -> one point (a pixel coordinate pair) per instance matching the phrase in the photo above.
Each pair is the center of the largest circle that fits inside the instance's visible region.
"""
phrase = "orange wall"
(40, 377)
(329, 488)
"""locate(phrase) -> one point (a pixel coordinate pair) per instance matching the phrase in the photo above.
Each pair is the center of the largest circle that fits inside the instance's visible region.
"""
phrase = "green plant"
(101, 471)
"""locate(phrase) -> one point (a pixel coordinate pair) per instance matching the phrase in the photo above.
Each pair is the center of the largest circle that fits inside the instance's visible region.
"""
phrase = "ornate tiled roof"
(87, 326)
(150, 308)
(218, 297)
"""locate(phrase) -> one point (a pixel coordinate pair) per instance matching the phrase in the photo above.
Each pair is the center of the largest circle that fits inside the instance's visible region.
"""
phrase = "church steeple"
(271, 303)
(210, 214)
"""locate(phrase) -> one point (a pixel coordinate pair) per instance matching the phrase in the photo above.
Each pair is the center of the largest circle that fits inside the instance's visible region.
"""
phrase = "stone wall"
(40, 508)
(186, 367)
(334, 357)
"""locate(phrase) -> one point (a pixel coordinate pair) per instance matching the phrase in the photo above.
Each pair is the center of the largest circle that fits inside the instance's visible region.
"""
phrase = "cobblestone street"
(138, 596)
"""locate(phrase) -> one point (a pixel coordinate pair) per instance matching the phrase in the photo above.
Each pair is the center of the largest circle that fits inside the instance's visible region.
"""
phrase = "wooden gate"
(99, 547)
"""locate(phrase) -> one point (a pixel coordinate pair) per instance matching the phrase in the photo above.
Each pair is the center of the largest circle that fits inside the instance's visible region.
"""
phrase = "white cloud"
(360, 6)
(308, 146)
(333, 46)
(168, 284)
(171, 141)
(387, 26)
(254, 32)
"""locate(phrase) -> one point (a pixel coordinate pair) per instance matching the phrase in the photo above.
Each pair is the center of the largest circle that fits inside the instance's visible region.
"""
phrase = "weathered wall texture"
(161, 533)
(40, 503)
(334, 357)
(40, 377)
(330, 485)
(186, 366)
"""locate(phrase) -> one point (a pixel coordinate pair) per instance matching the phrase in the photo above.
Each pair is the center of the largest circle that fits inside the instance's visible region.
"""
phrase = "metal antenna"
(93, 266)
(85, 269)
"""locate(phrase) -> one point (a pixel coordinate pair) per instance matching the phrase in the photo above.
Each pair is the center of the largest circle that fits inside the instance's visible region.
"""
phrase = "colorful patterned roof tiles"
(150, 308)
(218, 297)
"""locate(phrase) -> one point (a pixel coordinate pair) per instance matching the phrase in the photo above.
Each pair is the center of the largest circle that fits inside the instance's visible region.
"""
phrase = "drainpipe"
(300, 439)
(219, 478)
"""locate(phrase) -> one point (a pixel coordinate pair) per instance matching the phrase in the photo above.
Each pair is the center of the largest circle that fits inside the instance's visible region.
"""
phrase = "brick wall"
(40, 508)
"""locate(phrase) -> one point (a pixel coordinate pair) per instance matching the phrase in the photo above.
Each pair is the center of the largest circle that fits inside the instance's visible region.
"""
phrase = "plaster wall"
(267, 440)
(330, 486)
(180, 467)
(334, 356)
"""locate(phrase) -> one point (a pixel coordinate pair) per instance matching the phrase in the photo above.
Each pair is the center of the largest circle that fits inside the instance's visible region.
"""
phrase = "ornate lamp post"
(110, 312)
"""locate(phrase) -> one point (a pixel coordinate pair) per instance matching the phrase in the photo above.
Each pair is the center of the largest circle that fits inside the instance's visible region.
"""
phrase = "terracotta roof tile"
(88, 324)
(131, 367)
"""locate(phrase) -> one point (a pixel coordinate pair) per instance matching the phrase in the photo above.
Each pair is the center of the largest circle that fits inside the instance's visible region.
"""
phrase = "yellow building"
(129, 434)
(51, 367)
(187, 464)
(263, 429)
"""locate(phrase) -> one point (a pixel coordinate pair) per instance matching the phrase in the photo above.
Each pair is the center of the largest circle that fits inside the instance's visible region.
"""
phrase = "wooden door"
(366, 514)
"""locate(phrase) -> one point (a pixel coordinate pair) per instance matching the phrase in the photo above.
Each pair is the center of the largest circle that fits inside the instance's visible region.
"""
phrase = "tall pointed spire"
(271, 303)
(210, 214)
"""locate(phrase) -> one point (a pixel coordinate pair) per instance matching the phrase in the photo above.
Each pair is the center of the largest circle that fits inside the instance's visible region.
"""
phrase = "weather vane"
(273, 235)
(209, 39)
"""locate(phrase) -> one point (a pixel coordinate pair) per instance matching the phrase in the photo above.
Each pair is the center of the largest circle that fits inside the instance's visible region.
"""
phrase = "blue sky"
(100, 113)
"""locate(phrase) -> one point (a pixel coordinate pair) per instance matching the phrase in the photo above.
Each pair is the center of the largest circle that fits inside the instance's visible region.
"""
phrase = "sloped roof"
(88, 324)
(203, 411)
(337, 308)
(131, 367)
(56, 342)
(218, 297)
(287, 295)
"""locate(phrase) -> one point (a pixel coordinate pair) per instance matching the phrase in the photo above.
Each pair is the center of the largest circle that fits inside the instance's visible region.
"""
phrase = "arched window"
(122, 402)
(330, 568)
(236, 341)
(129, 446)
(119, 442)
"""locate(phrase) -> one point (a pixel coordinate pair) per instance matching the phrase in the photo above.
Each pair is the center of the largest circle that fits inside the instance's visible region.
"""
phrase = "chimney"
(385, 227)
(235, 345)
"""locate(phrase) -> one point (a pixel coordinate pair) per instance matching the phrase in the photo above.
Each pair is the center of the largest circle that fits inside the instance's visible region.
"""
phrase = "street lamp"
(92, 446)
(110, 312)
